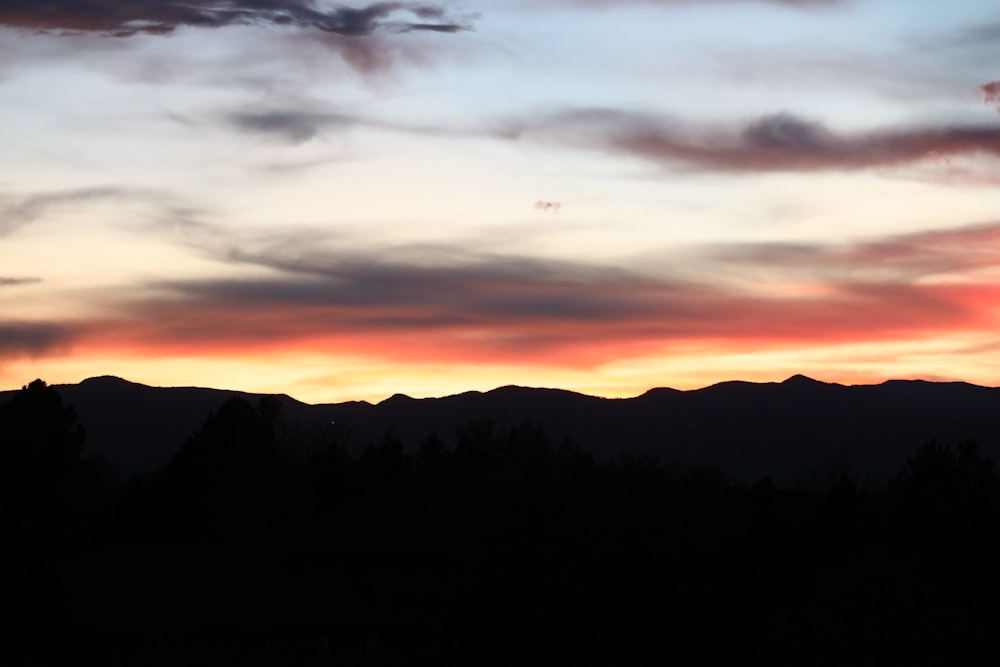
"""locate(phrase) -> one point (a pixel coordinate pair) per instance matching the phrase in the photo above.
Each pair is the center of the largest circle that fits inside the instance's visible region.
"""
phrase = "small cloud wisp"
(991, 93)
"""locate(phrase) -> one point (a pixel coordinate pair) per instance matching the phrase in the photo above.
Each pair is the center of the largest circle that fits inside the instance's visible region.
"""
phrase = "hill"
(797, 431)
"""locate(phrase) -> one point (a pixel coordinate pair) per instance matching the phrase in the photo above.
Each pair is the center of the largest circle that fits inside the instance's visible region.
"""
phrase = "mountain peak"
(801, 380)
(396, 399)
(107, 380)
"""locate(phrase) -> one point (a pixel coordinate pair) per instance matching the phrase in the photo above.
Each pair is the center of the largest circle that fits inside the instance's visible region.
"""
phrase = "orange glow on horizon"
(318, 374)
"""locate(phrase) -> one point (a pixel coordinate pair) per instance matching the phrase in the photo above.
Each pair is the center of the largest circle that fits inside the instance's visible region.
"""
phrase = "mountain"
(797, 431)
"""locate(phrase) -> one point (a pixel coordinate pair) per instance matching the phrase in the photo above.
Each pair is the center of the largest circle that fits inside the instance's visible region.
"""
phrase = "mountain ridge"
(788, 430)
(796, 379)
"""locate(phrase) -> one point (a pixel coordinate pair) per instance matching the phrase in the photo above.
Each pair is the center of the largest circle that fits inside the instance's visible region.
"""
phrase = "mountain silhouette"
(796, 431)
(419, 531)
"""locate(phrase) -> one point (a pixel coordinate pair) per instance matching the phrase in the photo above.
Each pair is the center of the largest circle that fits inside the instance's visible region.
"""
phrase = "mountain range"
(800, 431)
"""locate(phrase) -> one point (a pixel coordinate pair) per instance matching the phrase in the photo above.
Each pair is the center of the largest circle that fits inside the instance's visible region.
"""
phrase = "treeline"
(506, 542)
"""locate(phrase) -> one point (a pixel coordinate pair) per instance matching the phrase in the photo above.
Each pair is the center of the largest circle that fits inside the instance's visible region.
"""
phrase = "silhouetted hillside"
(797, 431)
(262, 541)
(137, 427)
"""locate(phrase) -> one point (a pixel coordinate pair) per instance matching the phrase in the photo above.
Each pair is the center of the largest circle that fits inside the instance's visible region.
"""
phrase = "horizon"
(403, 394)
(348, 201)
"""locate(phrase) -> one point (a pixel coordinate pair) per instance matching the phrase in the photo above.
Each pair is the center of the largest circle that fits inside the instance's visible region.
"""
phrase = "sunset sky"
(345, 201)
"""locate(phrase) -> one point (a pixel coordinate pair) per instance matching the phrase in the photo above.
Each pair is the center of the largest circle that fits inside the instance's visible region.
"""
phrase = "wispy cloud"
(18, 211)
(777, 142)
(123, 18)
(905, 258)
(298, 123)
(14, 281)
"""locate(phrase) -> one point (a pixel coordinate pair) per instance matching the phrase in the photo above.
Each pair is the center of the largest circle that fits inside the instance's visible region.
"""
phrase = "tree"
(223, 478)
(940, 474)
(38, 431)
(42, 470)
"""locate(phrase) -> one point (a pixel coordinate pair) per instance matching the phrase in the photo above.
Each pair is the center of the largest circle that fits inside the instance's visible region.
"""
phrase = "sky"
(342, 201)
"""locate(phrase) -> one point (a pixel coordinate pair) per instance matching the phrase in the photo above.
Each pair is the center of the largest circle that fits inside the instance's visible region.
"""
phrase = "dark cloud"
(296, 125)
(13, 281)
(479, 289)
(423, 301)
(778, 142)
(784, 131)
(486, 311)
(674, 3)
(123, 18)
(20, 339)
(445, 302)
(288, 125)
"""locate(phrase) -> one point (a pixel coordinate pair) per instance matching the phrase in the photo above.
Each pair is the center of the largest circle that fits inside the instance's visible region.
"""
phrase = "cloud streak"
(493, 308)
(298, 124)
(288, 125)
(16, 212)
(674, 3)
(15, 281)
(124, 18)
(780, 142)
(904, 258)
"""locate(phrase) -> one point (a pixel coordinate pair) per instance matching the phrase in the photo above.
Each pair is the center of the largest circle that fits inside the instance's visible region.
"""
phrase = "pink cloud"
(548, 206)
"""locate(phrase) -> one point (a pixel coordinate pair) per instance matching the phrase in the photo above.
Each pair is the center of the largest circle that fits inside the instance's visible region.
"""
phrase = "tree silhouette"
(223, 479)
(382, 464)
(42, 471)
(39, 431)
(52, 497)
(431, 455)
(939, 478)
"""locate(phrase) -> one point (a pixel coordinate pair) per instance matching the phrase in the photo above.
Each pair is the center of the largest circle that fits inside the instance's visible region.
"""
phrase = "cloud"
(447, 303)
(672, 3)
(981, 34)
(295, 125)
(402, 303)
(777, 142)
(991, 93)
(30, 339)
(291, 126)
(124, 18)
(14, 281)
(905, 258)
(928, 254)
(16, 212)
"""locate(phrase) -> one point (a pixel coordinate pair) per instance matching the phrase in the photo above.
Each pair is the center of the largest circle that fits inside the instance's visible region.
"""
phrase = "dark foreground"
(507, 548)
